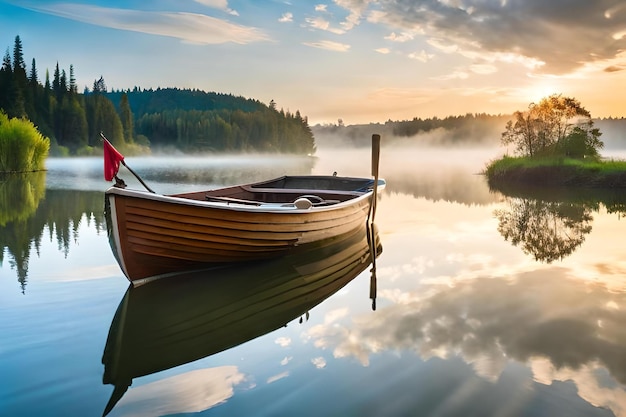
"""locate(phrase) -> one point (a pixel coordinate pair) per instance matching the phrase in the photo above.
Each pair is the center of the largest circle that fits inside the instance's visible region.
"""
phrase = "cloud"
(484, 69)
(403, 37)
(323, 24)
(355, 9)
(421, 56)
(614, 68)
(383, 51)
(329, 45)
(188, 27)
(218, 4)
(286, 17)
(458, 74)
(559, 33)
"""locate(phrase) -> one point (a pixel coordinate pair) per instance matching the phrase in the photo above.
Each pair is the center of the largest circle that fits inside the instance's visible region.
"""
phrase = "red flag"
(112, 159)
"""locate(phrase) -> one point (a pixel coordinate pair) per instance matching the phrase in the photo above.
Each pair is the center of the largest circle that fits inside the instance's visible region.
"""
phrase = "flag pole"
(129, 168)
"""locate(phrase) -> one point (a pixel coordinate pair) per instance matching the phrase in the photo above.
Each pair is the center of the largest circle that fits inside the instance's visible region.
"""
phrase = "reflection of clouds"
(317, 332)
(283, 341)
(416, 266)
(335, 315)
(575, 326)
(319, 362)
(85, 273)
(190, 392)
(592, 381)
(286, 360)
(275, 378)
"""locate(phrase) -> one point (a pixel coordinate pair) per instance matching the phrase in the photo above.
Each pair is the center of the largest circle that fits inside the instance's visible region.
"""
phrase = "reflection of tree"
(20, 195)
(546, 230)
(61, 212)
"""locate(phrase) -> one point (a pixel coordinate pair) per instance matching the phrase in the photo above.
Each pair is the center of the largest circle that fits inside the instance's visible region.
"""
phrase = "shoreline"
(557, 172)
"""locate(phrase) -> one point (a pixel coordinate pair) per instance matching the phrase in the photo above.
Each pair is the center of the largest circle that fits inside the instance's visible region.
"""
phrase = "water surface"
(507, 303)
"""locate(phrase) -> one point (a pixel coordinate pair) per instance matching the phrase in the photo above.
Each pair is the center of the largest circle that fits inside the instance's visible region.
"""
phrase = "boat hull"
(153, 235)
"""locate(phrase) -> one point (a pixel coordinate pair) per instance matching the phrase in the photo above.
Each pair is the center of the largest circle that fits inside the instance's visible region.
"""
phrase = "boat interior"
(301, 192)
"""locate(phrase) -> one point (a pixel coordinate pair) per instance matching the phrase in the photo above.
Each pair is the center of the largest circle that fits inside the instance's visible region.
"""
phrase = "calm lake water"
(488, 303)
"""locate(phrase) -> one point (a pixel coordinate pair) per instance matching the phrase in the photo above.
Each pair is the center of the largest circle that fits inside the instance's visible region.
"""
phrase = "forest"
(143, 120)
(469, 130)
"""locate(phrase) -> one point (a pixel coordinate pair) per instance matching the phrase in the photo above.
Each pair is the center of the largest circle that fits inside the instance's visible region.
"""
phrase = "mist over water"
(431, 172)
(473, 289)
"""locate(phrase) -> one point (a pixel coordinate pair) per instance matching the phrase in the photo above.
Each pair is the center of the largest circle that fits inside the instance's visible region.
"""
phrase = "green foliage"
(150, 101)
(190, 120)
(581, 144)
(225, 130)
(73, 123)
(22, 147)
(103, 118)
(557, 171)
(59, 151)
(126, 117)
(556, 125)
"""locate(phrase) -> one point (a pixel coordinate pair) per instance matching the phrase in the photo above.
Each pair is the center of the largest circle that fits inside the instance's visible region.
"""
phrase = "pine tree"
(73, 88)
(6, 80)
(18, 55)
(19, 80)
(126, 117)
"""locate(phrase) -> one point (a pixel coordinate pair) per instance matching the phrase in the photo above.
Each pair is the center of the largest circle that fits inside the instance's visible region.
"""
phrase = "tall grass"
(22, 147)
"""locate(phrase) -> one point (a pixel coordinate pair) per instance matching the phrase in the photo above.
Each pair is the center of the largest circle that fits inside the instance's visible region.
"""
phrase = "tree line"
(137, 120)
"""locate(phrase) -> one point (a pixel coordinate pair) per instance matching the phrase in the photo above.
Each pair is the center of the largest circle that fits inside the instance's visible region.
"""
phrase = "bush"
(22, 147)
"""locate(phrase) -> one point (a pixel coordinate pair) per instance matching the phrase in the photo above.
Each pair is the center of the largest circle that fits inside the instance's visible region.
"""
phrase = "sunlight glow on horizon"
(361, 62)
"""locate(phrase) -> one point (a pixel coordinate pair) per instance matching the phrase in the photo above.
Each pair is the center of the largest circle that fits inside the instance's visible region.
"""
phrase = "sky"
(360, 61)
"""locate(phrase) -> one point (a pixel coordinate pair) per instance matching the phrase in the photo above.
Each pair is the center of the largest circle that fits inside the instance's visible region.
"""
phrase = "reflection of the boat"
(172, 322)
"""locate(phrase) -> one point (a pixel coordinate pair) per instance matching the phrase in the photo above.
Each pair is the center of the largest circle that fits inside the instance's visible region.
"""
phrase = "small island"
(556, 144)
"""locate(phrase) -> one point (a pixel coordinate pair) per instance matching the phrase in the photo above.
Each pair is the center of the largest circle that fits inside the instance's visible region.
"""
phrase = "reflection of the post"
(371, 239)
(546, 230)
(168, 323)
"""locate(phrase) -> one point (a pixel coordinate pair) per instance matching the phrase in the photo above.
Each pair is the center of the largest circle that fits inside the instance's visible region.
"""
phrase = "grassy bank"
(557, 171)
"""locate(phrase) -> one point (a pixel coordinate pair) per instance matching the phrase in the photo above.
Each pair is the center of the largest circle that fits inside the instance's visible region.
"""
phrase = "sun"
(541, 90)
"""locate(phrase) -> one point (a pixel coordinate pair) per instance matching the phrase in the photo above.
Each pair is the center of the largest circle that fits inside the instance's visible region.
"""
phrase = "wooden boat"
(175, 321)
(154, 235)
